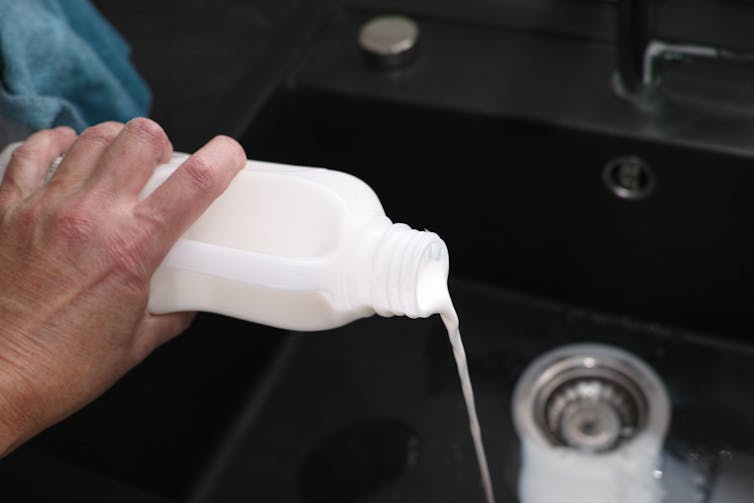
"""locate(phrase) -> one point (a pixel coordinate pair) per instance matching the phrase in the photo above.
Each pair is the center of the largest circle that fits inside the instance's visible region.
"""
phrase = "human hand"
(76, 257)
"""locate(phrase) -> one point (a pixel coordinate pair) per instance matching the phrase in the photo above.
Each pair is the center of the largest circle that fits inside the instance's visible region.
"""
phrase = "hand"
(76, 257)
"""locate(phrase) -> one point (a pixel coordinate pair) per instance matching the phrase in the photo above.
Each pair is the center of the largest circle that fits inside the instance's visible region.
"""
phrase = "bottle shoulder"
(346, 188)
(354, 192)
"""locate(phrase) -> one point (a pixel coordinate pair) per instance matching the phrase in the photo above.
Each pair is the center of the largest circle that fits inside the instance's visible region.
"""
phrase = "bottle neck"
(409, 273)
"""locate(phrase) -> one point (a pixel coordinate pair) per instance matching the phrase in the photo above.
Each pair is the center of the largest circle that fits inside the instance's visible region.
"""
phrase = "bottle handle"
(289, 273)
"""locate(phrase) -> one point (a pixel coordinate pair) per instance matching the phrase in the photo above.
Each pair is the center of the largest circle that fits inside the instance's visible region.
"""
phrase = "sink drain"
(592, 421)
(587, 397)
(594, 409)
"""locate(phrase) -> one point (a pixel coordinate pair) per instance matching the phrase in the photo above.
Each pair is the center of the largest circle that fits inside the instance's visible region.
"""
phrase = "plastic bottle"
(297, 248)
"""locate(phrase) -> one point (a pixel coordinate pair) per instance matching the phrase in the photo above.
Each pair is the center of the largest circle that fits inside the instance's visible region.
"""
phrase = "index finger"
(187, 193)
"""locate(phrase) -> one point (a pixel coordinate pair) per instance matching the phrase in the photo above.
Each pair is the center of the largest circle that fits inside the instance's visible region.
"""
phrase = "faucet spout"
(640, 55)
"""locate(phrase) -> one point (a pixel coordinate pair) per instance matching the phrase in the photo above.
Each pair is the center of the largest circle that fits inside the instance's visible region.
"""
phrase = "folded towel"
(62, 63)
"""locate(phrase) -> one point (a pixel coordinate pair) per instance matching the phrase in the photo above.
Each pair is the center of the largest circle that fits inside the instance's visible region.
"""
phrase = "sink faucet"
(639, 55)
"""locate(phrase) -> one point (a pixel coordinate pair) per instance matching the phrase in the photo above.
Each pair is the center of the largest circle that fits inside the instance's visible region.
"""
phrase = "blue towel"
(62, 63)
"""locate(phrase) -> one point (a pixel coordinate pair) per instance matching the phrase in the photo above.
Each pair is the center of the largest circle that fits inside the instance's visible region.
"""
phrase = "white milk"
(305, 249)
(631, 474)
(450, 319)
(436, 297)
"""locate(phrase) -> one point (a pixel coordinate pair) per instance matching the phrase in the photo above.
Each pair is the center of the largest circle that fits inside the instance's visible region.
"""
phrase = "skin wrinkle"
(53, 286)
(28, 347)
(76, 259)
(19, 384)
(66, 301)
(39, 278)
(15, 323)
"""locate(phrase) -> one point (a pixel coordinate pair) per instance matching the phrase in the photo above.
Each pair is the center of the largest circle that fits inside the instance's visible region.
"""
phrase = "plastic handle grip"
(290, 273)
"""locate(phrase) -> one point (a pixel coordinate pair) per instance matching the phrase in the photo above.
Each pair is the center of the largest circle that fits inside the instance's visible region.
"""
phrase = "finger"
(183, 197)
(84, 155)
(27, 169)
(156, 330)
(131, 158)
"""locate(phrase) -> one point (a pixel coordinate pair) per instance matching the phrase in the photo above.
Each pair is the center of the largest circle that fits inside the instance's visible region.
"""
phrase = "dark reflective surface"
(524, 204)
(357, 461)
(156, 429)
(403, 369)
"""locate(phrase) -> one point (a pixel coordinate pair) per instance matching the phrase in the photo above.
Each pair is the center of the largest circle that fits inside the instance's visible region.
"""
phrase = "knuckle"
(20, 221)
(9, 188)
(102, 134)
(64, 131)
(26, 153)
(55, 141)
(201, 174)
(152, 222)
(27, 216)
(148, 130)
(127, 254)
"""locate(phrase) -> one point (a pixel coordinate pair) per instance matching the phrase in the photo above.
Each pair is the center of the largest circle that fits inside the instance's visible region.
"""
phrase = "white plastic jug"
(297, 248)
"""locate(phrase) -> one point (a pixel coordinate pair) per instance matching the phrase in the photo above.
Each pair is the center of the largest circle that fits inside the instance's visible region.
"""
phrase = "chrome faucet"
(639, 55)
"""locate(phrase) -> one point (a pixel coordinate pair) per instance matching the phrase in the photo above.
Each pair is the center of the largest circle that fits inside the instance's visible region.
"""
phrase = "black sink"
(524, 204)
(373, 411)
(498, 141)
(154, 432)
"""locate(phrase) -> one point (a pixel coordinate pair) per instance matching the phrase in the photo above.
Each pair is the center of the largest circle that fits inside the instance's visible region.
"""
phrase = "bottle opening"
(432, 294)
(410, 271)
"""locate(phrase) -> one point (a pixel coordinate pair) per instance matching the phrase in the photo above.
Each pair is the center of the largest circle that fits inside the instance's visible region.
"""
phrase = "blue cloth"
(62, 63)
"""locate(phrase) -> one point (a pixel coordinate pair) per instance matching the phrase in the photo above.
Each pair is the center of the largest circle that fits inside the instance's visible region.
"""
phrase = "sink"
(524, 205)
(373, 411)
(151, 435)
(511, 156)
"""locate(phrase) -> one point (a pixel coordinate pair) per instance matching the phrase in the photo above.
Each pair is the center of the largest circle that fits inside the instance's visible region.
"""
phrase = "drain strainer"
(590, 413)
(590, 398)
